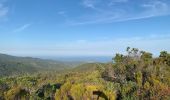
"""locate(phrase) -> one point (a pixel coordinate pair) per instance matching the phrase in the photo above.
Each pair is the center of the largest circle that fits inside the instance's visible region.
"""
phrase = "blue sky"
(83, 27)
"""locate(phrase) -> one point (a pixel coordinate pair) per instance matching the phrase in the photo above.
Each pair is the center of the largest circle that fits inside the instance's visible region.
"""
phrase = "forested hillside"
(11, 65)
(136, 75)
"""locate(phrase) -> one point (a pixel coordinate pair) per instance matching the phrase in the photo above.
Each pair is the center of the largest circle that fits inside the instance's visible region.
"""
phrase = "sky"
(83, 27)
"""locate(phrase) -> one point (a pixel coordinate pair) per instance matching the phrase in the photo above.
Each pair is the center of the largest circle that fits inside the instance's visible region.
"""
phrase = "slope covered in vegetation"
(11, 65)
(135, 76)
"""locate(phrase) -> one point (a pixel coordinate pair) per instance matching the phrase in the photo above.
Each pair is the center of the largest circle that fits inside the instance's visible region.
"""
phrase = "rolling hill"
(12, 65)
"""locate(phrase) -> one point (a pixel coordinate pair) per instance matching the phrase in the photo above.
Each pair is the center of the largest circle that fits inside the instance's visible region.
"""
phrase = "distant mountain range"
(12, 65)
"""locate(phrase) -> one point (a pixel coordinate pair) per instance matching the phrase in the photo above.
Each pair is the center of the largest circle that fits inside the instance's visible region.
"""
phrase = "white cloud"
(3, 10)
(108, 11)
(112, 2)
(89, 3)
(22, 28)
(61, 12)
(156, 8)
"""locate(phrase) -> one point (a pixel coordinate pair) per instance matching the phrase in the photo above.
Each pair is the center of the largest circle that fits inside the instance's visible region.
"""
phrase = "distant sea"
(79, 58)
